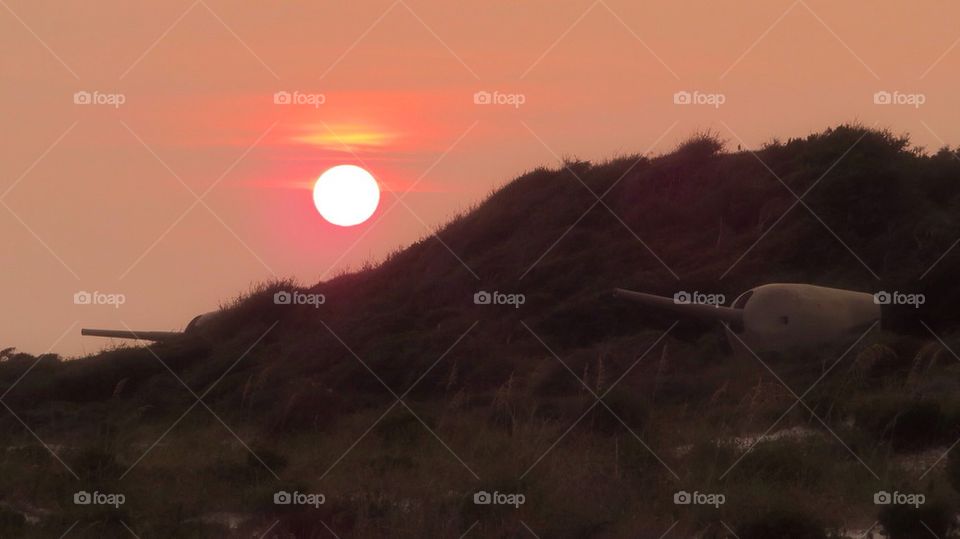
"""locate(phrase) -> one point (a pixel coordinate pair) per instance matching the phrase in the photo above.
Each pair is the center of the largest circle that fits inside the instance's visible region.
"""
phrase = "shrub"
(907, 522)
(625, 408)
(11, 522)
(96, 464)
(908, 426)
(953, 470)
(783, 524)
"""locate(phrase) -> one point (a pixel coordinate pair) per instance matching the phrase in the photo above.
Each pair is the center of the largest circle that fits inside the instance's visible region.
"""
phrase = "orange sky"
(103, 197)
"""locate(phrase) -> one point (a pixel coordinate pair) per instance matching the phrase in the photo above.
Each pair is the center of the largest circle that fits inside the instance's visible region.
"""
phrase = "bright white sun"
(346, 195)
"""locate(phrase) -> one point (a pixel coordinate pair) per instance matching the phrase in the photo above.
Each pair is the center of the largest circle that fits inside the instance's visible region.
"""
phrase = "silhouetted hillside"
(301, 384)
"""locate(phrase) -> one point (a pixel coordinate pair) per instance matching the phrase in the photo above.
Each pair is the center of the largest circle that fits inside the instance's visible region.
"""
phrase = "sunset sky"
(197, 184)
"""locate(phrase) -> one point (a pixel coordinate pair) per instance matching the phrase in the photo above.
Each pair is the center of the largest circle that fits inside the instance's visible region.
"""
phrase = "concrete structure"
(157, 336)
(781, 316)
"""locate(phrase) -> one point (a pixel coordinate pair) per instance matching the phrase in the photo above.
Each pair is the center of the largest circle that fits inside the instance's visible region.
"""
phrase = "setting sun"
(346, 195)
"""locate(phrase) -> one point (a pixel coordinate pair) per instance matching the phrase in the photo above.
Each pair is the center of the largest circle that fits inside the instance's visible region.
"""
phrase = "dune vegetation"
(400, 398)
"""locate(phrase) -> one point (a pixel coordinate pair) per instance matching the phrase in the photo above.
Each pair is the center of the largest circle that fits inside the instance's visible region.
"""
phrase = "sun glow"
(344, 136)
